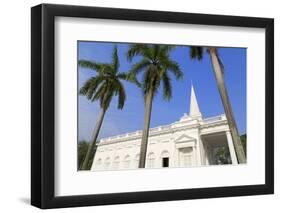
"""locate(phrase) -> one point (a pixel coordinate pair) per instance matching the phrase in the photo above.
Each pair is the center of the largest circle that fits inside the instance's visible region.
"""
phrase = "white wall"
(15, 105)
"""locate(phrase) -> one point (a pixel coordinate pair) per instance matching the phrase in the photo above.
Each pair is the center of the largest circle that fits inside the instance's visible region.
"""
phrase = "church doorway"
(165, 162)
(165, 157)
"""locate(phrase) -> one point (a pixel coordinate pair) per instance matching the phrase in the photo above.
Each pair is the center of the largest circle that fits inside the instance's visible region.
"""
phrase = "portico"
(218, 142)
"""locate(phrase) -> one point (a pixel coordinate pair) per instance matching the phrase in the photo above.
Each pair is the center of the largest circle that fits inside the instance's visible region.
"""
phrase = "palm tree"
(218, 68)
(155, 65)
(103, 87)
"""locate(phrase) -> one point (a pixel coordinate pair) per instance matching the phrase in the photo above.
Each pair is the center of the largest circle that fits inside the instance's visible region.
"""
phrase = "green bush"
(82, 150)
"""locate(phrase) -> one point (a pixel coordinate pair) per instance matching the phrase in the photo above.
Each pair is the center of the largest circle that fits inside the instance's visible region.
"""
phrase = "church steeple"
(194, 110)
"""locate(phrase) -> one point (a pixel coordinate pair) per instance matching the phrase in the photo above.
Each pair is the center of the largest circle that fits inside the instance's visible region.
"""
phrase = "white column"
(199, 152)
(175, 157)
(206, 155)
(178, 157)
(231, 148)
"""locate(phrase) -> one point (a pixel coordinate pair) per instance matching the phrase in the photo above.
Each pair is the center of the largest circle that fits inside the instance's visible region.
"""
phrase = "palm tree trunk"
(145, 133)
(227, 107)
(94, 139)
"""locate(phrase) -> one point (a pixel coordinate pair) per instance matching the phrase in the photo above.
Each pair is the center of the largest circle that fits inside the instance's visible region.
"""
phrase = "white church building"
(190, 141)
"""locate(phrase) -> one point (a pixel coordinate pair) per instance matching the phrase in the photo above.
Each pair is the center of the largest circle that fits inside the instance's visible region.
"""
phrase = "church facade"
(190, 141)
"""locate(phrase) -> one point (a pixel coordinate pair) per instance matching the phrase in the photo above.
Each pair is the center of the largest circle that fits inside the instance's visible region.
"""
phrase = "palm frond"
(121, 96)
(196, 52)
(139, 66)
(151, 80)
(100, 93)
(122, 75)
(115, 60)
(156, 48)
(130, 77)
(174, 67)
(107, 83)
(139, 49)
(107, 97)
(90, 86)
(167, 87)
(84, 89)
(102, 68)
(146, 82)
(155, 64)
(89, 64)
(165, 50)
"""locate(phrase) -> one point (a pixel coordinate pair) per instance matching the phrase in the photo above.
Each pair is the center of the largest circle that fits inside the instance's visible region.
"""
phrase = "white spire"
(194, 108)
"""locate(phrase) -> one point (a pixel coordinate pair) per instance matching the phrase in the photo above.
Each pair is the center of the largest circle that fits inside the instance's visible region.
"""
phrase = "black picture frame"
(43, 102)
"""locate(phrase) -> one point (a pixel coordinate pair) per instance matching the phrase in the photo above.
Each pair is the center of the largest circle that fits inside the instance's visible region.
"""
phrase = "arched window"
(150, 160)
(127, 161)
(137, 159)
(164, 154)
(165, 158)
(107, 163)
(116, 163)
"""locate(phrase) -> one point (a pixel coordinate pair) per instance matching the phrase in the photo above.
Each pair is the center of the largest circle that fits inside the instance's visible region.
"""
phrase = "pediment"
(184, 138)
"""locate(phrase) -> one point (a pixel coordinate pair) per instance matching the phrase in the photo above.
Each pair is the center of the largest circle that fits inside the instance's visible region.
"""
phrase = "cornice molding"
(165, 130)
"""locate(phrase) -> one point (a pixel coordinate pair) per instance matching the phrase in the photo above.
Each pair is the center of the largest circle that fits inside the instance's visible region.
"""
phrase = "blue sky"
(200, 73)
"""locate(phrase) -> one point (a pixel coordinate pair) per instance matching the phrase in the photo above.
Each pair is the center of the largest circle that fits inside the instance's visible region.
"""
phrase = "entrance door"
(186, 157)
(165, 162)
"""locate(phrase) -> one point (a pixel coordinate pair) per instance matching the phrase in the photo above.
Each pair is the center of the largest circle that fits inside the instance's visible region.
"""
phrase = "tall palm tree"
(103, 87)
(155, 65)
(218, 68)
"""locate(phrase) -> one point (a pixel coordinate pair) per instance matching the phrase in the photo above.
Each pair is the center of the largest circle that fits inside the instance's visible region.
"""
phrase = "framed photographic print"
(139, 106)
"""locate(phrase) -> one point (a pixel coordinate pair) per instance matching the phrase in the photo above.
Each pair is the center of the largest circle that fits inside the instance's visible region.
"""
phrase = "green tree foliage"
(82, 150)
(107, 82)
(244, 142)
(156, 66)
(222, 156)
